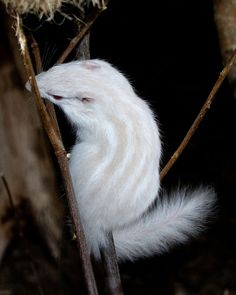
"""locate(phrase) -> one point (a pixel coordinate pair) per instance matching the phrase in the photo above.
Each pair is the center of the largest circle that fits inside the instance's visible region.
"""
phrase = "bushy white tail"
(176, 217)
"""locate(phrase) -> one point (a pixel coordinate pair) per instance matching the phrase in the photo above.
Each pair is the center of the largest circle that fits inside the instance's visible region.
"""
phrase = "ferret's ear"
(90, 65)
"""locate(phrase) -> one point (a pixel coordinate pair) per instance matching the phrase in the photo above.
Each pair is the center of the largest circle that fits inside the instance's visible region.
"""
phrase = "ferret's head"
(87, 91)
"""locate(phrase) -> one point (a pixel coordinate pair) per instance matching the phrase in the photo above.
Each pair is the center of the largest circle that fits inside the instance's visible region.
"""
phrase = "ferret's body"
(115, 162)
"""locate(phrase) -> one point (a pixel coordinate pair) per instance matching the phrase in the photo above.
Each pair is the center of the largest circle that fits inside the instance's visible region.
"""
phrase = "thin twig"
(36, 53)
(39, 68)
(16, 215)
(75, 41)
(200, 116)
(62, 160)
(8, 191)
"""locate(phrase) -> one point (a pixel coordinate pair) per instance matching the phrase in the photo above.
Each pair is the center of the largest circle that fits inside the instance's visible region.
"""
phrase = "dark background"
(169, 50)
(171, 54)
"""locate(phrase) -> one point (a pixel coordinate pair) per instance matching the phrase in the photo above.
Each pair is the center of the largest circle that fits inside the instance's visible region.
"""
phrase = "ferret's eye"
(86, 99)
(57, 97)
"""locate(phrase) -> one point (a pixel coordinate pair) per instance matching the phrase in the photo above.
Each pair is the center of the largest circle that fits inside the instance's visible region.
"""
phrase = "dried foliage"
(47, 7)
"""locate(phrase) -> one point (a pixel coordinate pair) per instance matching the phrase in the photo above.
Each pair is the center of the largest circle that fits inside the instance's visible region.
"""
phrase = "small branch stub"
(225, 19)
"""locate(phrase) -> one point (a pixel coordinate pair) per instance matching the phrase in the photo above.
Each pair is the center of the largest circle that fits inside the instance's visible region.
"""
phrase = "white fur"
(115, 163)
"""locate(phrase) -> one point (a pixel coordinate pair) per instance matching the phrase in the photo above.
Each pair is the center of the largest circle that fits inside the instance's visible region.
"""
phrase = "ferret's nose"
(28, 86)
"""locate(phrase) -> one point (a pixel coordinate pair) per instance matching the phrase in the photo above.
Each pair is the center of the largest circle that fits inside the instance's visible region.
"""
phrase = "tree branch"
(112, 275)
(62, 160)
(39, 68)
(108, 254)
(200, 116)
(88, 24)
(36, 53)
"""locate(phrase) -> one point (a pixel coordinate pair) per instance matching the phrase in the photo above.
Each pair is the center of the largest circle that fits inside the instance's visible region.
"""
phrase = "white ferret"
(114, 163)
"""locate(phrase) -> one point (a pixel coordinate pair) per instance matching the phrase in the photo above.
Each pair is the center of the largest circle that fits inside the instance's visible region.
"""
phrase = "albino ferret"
(114, 163)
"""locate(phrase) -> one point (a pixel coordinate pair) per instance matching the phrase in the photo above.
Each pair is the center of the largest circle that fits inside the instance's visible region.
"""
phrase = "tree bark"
(25, 157)
(225, 18)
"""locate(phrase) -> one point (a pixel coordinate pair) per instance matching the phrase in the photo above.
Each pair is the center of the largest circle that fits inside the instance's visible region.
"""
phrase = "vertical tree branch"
(62, 160)
(112, 275)
(83, 50)
(109, 259)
